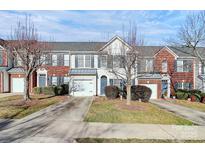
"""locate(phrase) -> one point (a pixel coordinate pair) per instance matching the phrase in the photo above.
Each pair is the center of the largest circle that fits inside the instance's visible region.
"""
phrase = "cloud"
(96, 25)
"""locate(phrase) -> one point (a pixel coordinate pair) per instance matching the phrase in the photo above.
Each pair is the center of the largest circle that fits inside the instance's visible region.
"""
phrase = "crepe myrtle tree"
(125, 61)
(24, 45)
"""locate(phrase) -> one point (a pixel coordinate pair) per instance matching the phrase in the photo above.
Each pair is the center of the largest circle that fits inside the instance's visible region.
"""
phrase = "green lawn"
(115, 111)
(13, 107)
(112, 140)
(193, 105)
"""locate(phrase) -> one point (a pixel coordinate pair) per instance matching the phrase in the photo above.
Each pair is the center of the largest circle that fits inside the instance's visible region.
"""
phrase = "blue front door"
(42, 80)
(164, 87)
(103, 85)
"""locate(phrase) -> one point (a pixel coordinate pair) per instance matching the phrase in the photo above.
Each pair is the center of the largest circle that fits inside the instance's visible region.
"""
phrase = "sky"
(156, 27)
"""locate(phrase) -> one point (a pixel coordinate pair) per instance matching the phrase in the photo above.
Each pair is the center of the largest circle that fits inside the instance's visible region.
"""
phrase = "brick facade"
(57, 70)
(175, 77)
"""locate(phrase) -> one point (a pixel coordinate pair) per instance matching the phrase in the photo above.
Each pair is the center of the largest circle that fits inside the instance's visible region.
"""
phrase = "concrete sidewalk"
(72, 130)
(195, 116)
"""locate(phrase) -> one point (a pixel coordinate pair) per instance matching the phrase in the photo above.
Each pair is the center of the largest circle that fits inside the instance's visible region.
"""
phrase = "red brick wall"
(164, 54)
(153, 81)
(57, 70)
(4, 59)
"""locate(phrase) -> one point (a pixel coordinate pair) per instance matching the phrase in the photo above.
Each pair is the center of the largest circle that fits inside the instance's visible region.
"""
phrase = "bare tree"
(192, 35)
(126, 60)
(24, 44)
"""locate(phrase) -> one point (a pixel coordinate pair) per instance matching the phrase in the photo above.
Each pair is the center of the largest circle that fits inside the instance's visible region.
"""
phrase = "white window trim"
(56, 61)
(56, 80)
(146, 67)
(105, 62)
(164, 69)
(67, 60)
(84, 66)
(182, 65)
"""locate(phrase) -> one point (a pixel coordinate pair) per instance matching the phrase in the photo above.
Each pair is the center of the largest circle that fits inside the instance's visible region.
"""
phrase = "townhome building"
(86, 67)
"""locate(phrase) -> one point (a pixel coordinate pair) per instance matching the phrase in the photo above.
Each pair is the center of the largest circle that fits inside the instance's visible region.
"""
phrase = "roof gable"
(167, 49)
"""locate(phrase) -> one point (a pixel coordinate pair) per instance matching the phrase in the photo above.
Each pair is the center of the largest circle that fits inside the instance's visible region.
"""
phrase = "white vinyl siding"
(66, 60)
(54, 60)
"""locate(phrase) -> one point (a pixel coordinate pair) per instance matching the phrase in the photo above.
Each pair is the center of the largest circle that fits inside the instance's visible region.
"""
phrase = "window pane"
(187, 65)
(179, 66)
(103, 61)
(149, 65)
(66, 80)
(66, 60)
(54, 60)
(54, 81)
(164, 66)
(116, 61)
(80, 61)
(87, 61)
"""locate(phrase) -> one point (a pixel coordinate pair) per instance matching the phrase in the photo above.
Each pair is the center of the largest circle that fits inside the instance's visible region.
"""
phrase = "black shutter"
(76, 61)
(92, 61)
(110, 61)
(175, 65)
(58, 59)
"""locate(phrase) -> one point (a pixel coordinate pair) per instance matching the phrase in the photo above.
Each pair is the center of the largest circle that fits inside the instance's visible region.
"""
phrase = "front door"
(42, 80)
(103, 85)
(164, 88)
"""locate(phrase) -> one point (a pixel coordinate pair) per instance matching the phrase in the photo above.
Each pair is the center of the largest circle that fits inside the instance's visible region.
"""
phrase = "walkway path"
(195, 116)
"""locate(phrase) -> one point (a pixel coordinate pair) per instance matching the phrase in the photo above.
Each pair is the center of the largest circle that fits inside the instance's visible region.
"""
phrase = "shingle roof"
(83, 72)
(77, 46)
(16, 70)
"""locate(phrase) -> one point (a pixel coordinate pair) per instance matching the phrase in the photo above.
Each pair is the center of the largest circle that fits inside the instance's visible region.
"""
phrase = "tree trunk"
(128, 94)
(26, 88)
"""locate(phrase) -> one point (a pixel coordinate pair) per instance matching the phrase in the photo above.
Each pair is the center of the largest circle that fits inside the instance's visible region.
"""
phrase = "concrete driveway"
(195, 116)
(51, 119)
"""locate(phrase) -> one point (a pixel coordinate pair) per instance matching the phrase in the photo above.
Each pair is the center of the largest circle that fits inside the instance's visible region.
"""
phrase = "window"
(164, 66)
(103, 61)
(149, 65)
(43, 60)
(54, 81)
(84, 61)
(183, 85)
(116, 61)
(54, 60)
(184, 65)
(66, 60)
(87, 61)
(66, 80)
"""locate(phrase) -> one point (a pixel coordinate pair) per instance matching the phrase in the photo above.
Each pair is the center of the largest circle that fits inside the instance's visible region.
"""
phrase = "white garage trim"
(153, 87)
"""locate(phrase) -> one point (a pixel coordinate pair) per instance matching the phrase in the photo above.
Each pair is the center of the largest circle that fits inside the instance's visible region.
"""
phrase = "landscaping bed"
(134, 140)
(13, 107)
(116, 111)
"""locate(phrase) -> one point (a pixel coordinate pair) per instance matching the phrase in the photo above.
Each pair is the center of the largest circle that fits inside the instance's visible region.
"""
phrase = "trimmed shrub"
(65, 89)
(139, 92)
(195, 97)
(112, 92)
(182, 95)
(58, 90)
(50, 90)
(37, 90)
(195, 91)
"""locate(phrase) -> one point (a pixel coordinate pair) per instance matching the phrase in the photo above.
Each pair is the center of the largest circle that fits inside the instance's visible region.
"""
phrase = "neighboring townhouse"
(86, 67)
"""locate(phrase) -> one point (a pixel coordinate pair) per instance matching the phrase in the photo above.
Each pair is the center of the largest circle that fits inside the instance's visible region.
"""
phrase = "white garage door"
(153, 87)
(83, 87)
(17, 84)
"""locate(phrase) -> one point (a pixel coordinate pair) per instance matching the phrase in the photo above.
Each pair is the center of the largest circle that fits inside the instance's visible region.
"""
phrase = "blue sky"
(155, 26)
